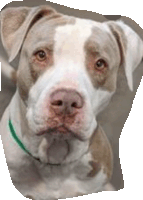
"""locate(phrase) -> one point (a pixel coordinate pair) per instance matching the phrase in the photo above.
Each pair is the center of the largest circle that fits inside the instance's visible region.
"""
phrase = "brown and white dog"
(67, 74)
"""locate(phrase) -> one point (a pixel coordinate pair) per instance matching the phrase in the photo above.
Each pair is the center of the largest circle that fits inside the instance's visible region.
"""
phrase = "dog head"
(67, 73)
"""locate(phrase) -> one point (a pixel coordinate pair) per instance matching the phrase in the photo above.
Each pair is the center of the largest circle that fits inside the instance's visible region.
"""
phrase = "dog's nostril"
(74, 105)
(57, 103)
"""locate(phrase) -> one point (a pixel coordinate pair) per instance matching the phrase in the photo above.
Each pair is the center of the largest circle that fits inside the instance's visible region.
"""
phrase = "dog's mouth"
(61, 132)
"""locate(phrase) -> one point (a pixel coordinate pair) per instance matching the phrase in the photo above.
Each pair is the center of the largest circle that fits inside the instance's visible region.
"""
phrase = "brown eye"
(41, 55)
(100, 64)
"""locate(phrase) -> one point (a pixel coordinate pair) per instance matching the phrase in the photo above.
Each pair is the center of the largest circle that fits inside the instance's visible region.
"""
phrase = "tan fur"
(96, 48)
(14, 77)
(120, 38)
(101, 152)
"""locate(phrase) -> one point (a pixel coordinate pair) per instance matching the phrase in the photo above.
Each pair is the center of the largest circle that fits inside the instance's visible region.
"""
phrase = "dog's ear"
(15, 23)
(131, 48)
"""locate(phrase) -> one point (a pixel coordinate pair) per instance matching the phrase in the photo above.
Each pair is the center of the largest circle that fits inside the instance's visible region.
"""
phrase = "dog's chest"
(70, 181)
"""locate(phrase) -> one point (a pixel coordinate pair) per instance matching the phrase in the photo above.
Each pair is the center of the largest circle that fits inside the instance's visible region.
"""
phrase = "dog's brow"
(39, 46)
(92, 47)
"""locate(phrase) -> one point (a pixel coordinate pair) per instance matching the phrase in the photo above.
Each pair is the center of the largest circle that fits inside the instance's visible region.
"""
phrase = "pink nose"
(66, 102)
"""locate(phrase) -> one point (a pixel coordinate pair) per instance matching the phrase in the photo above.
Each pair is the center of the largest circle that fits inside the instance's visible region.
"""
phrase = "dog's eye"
(100, 64)
(41, 55)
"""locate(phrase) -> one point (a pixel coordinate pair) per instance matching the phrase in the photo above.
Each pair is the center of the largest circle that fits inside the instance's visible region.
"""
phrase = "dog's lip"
(63, 130)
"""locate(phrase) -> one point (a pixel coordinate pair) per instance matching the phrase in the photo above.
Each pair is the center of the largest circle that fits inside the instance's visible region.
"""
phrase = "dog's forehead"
(81, 29)
(74, 34)
(77, 41)
(67, 33)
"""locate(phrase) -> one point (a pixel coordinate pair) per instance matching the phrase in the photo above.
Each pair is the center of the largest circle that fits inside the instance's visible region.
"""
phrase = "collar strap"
(17, 140)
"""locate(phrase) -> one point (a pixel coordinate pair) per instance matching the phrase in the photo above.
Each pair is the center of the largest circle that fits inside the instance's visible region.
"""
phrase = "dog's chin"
(54, 150)
(57, 145)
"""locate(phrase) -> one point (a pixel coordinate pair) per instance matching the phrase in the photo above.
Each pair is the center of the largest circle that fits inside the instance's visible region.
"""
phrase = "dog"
(67, 74)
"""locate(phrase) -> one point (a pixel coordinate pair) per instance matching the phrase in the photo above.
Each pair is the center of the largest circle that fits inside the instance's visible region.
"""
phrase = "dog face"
(71, 81)
(67, 74)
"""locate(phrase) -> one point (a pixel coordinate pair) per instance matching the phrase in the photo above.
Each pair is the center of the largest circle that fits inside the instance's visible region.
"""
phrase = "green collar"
(18, 141)
(13, 133)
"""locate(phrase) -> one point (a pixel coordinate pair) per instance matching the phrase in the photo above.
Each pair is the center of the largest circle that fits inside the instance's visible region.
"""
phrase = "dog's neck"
(18, 119)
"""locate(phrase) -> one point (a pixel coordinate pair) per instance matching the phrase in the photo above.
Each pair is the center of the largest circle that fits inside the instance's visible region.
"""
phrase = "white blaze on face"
(70, 41)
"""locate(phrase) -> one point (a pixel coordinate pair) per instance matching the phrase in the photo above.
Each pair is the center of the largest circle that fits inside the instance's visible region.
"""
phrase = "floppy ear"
(15, 23)
(131, 48)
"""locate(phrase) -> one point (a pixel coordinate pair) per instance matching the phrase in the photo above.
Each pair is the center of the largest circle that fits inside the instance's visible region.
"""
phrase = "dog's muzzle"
(65, 107)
